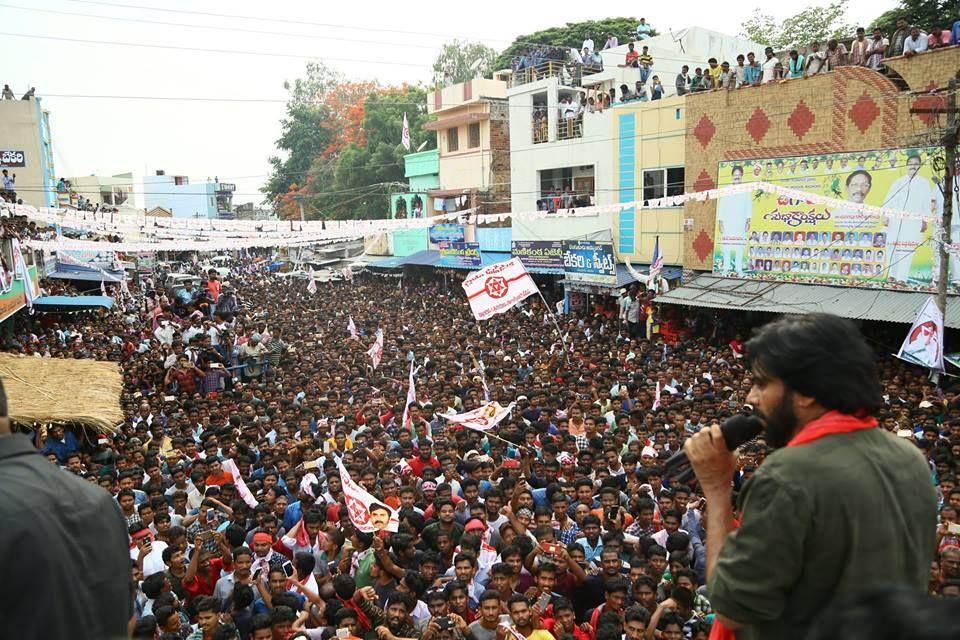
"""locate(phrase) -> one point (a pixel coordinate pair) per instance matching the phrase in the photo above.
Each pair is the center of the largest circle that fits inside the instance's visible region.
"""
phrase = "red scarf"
(830, 423)
(362, 620)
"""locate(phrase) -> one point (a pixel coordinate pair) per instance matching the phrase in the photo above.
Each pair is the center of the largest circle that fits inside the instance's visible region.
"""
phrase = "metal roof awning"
(432, 258)
(72, 303)
(89, 273)
(856, 303)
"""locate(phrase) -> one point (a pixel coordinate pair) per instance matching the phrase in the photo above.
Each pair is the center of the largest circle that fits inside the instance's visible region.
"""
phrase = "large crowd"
(561, 523)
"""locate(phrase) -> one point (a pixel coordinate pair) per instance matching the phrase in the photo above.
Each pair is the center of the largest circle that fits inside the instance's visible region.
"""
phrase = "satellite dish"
(422, 145)
(476, 64)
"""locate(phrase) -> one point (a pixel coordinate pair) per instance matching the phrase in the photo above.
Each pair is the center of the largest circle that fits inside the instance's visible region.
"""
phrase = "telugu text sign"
(587, 261)
(768, 236)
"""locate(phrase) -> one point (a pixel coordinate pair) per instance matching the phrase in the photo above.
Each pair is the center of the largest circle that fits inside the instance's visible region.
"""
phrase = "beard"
(781, 423)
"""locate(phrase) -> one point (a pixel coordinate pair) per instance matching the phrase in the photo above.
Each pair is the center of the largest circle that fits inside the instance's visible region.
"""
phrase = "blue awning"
(431, 258)
(73, 303)
(83, 272)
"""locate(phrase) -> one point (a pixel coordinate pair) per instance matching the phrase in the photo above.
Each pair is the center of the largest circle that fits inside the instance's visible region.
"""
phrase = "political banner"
(924, 343)
(587, 261)
(366, 513)
(773, 237)
(352, 328)
(482, 418)
(538, 254)
(460, 254)
(498, 288)
(446, 232)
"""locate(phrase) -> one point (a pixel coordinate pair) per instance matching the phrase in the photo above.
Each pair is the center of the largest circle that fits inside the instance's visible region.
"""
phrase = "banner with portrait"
(768, 236)
(366, 513)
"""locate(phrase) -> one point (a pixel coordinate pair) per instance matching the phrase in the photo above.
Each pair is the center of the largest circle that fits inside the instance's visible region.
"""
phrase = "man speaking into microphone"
(839, 506)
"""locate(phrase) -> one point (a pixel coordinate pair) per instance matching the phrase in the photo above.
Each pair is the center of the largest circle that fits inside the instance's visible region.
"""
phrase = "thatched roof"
(54, 390)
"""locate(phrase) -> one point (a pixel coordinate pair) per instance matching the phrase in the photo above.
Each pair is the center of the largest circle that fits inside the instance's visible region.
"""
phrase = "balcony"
(570, 128)
(570, 74)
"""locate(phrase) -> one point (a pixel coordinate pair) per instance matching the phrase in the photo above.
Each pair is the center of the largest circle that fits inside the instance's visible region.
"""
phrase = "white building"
(550, 153)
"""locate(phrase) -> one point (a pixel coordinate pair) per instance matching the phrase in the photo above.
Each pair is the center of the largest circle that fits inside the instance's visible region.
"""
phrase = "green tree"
(367, 171)
(924, 13)
(302, 132)
(462, 61)
(812, 24)
(572, 34)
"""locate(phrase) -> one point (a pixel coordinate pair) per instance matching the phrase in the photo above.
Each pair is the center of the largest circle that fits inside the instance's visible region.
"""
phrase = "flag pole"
(556, 324)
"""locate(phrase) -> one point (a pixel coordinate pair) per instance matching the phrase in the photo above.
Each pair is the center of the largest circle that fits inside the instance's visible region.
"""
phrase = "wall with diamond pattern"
(850, 109)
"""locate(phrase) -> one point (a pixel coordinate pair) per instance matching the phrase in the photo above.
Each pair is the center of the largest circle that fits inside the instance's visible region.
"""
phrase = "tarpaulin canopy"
(72, 303)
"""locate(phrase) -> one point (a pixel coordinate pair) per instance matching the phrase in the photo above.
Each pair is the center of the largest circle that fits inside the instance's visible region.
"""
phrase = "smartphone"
(309, 464)
(326, 446)
(211, 516)
(953, 528)
(544, 601)
(216, 365)
(343, 633)
(287, 569)
(444, 623)
(550, 548)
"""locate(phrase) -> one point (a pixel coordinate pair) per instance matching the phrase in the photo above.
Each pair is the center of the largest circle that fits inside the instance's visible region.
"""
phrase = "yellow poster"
(767, 236)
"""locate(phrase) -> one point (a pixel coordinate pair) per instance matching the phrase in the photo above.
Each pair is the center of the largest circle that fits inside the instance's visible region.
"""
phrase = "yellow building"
(648, 163)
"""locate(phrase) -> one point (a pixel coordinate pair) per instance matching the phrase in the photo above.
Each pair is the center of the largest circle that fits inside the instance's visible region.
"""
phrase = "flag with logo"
(376, 349)
(483, 418)
(924, 343)
(656, 398)
(21, 271)
(498, 288)
(655, 265)
(405, 134)
(411, 398)
(312, 285)
(366, 513)
(230, 467)
(352, 328)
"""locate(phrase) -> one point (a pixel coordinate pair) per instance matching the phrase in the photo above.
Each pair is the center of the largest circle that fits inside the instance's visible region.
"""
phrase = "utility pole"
(949, 187)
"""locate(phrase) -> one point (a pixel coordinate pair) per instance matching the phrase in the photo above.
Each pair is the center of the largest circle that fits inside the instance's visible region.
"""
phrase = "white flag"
(230, 467)
(656, 398)
(21, 270)
(366, 513)
(312, 285)
(411, 398)
(376, 349)
(405, 134)
(924, 344)
(498, 288)
(103, 288)
(483, 418)
(352, 328)
(559, 307)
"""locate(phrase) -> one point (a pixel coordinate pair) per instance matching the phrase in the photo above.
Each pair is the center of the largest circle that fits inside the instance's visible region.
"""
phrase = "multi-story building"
(26, 149)
(566, 155)
(250, 211)
(114, 191)
(852, 135)
(208, 199)
(473, 139)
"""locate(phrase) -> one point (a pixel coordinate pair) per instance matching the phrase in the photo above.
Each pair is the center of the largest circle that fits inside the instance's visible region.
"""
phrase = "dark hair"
(515, 598)
(491, 594)
(798, 349)
(858, 172)
(153, 584)
(207, 603)
(635, 613)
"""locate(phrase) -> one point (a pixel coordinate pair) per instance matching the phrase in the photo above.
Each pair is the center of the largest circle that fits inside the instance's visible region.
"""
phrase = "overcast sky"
(388, 41)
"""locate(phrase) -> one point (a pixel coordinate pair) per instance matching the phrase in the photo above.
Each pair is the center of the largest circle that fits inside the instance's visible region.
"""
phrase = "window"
(658, 183)
(453, 141)
(474, 135)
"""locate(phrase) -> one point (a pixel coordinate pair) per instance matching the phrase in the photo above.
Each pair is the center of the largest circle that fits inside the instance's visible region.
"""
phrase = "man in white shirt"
(611, 42)
(915, 43)
(587, 45)
(767, 69)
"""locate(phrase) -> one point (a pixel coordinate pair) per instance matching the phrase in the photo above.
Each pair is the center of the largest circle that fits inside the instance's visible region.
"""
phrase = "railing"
(570, 73)
(569, 128)
(541, 130)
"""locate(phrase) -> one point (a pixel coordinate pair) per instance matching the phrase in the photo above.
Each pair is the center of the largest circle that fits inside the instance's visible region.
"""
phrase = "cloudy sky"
(196, 87)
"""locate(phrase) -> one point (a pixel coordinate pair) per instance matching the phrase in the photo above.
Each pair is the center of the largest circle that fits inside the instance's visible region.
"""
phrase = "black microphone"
(736, 431)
